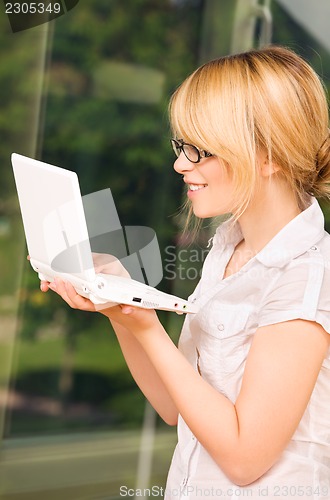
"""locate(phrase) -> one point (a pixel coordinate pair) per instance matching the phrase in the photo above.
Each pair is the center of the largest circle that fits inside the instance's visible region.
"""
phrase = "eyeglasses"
(192, 153)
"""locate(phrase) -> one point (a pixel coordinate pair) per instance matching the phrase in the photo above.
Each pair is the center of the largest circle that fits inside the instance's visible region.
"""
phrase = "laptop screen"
(53, 217)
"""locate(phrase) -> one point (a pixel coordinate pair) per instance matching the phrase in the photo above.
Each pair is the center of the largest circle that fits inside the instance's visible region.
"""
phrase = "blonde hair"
(267, 99)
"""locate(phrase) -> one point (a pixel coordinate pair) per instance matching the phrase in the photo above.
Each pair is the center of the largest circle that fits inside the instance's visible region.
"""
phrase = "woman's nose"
(182, 164)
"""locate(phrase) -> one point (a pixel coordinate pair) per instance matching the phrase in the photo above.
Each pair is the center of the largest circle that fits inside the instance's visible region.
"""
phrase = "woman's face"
(210, 185)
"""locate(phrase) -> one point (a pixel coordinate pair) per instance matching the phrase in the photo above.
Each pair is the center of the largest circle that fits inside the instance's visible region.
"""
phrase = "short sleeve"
(302, 291)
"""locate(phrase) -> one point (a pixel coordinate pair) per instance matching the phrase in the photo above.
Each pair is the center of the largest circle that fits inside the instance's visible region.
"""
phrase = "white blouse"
(288, 279)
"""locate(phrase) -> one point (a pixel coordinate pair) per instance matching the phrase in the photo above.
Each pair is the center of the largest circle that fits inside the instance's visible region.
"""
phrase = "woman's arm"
(142, 370)
(245, 438)
(145, 375)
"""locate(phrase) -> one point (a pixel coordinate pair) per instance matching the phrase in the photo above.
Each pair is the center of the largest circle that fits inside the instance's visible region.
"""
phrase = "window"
(89, 92)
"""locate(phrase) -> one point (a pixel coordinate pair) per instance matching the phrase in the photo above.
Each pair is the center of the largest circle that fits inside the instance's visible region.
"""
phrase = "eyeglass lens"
(190, 152)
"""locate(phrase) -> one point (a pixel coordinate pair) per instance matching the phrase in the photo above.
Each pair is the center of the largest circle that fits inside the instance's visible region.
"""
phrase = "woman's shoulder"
(324, 247)
(314, 265)
(318, 255)
(301, 289)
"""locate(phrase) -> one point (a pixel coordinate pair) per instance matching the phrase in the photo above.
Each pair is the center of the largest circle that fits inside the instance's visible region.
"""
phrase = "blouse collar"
(294, 239)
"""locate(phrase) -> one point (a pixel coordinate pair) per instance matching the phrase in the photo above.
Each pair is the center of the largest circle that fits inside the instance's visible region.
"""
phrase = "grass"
(94, 353)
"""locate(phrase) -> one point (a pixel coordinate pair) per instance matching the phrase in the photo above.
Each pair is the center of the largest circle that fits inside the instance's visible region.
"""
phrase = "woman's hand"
(103, 263)
(135, 319)
(132, 318)
(108, 264)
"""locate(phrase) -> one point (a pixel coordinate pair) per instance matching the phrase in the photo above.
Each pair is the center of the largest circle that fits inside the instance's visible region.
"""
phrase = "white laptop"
(58, 239)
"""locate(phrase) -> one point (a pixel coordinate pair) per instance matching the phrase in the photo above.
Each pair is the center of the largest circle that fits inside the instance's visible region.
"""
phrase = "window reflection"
(89, 92)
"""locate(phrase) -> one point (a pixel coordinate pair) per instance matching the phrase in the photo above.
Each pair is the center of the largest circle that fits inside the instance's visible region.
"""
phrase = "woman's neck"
(266, 215)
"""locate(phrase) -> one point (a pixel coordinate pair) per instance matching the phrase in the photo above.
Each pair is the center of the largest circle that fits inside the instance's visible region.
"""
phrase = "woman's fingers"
(132, 318)
(73, 298)
(44, 286)
(126, 309)
(70, 296)
(68, 293)
(109, 264)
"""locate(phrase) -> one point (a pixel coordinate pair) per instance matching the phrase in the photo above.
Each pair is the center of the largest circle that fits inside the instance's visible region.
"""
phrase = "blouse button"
(221, 327)
(314, 248)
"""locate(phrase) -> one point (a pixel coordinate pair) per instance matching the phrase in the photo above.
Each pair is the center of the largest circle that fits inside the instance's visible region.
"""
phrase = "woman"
(249, 384)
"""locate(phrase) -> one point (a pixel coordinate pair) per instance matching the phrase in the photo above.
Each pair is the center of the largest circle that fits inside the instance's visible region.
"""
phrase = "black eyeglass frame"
(179, 144)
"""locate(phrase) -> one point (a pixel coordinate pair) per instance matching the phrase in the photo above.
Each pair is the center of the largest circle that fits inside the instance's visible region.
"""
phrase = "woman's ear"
(268, 168)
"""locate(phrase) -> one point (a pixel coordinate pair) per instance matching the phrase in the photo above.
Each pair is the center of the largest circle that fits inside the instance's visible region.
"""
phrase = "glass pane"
(89, 92)
(105, 73)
